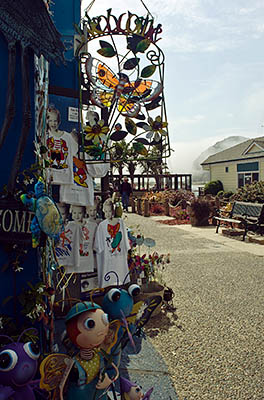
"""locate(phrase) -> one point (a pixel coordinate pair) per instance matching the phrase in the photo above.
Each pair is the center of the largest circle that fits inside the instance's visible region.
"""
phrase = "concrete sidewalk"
(218, 282)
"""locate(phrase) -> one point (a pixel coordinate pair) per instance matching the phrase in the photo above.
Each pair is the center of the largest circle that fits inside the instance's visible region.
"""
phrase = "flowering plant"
(149, 267)
(33, 301)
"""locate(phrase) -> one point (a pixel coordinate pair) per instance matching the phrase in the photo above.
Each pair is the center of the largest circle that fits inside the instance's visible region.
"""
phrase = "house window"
(226, 169)
(247, 173)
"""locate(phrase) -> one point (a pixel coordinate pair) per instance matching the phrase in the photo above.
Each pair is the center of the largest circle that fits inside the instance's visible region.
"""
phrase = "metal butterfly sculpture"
(108, 88)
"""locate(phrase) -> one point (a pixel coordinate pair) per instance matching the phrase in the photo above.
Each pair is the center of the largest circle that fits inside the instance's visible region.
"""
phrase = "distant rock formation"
(198, 174)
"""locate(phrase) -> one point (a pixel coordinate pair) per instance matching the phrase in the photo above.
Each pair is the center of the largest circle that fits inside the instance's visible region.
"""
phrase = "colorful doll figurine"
(18, 366)
(118, 304)
(131, 391)
(89, 376)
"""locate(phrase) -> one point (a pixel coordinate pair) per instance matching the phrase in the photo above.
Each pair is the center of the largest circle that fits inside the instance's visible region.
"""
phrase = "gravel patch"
(213, 343)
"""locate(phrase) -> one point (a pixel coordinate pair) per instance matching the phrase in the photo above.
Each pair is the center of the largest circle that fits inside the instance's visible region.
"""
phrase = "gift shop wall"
(63, 78)
(17, 37)
(9, 279)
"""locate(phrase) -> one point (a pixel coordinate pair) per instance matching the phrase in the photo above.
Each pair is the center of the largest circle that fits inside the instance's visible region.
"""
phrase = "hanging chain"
(144, 5)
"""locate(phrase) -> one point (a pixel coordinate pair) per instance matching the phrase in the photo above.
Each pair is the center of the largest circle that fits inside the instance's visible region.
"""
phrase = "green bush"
(224, 195)
(213, 187)
(253, 193)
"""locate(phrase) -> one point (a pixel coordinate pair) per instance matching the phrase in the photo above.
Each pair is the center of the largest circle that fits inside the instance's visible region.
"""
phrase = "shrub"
(157, 209)
(200, 210)
(253, 193)
(213, 187)
(171, 196)
(224, 195)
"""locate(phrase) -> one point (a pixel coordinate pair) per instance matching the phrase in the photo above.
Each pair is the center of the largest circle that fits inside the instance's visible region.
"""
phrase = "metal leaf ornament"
(143, 141)
(154, 104)
(118, 135)
(131, 126)
(131, 63)
(140, 149)
(143, 45)
(106, 50)
(148, 71)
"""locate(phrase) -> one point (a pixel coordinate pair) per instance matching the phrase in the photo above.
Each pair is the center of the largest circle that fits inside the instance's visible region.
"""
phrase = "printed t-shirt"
(87, 257)
(81, 190)
(111, 246)
(60, 153)
(67, 251)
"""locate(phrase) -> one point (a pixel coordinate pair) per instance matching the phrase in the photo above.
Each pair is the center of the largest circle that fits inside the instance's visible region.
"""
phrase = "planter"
(152, 289)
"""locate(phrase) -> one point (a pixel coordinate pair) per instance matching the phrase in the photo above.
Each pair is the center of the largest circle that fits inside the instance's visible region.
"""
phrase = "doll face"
(53, 121)
(18, 363)
(135, 393)
(77, 213)
(108, 211)
(91, 211)
(93, 327)
(63, 211)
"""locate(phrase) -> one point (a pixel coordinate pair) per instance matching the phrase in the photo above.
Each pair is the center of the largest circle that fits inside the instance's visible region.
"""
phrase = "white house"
(238, 165)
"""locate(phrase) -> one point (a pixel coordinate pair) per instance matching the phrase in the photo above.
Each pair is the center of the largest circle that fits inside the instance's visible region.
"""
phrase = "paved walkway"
(215, 348)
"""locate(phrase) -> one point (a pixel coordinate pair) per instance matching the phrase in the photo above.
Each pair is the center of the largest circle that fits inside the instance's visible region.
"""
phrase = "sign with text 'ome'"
(15, 222)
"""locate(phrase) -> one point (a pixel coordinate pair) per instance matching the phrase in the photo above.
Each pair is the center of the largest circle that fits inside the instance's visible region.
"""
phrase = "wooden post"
(167, 208)
(139, 208)
(105, 187)
(133, 204)
(146, 208)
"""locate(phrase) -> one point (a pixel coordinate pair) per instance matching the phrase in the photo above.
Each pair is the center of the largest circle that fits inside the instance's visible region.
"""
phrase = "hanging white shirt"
(111, 246)
(68, 249)
(60, 153)
(87, 257)
(81, 191)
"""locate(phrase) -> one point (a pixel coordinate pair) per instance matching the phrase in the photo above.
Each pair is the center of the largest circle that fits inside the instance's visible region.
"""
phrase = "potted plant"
(147, 271)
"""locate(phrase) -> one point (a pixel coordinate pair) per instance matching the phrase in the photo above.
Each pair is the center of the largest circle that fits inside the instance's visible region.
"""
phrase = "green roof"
(237, 152)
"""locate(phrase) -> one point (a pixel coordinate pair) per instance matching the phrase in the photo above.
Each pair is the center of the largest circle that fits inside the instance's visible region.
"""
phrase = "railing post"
(139, 208)
(146, 208)
(167, 208)
(133, 204)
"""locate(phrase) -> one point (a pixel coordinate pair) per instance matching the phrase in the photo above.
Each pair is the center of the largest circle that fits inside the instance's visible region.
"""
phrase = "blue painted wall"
(7, 153)
(65, 15)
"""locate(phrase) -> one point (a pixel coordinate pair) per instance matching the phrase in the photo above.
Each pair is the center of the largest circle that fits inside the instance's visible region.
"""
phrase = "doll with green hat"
(88, 375)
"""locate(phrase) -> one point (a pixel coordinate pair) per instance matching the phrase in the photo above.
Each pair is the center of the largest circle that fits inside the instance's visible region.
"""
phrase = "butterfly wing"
(147, 395)
(137, 93)
(127, 107)
(131, 319)
(144, 90)
(100, 75)
(103, 80)
(146, 310)
(54, 371)
(112, 335)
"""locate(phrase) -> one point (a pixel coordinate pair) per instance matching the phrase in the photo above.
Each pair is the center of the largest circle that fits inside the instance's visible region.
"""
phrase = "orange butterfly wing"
(106, 76)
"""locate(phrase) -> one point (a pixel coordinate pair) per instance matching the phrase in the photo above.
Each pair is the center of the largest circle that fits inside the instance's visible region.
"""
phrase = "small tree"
(153, 165)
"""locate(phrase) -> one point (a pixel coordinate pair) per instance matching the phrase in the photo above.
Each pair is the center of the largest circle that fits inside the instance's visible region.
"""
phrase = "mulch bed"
(174, 221)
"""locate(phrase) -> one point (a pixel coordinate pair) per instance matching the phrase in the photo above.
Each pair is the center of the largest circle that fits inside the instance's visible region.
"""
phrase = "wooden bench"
(250, 216)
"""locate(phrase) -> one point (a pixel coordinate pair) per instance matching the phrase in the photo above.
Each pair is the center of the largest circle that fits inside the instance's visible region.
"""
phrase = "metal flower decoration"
(155, 128)
(96, 131)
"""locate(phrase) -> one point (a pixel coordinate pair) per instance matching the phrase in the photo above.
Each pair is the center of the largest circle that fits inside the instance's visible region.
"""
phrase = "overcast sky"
(214, 75)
